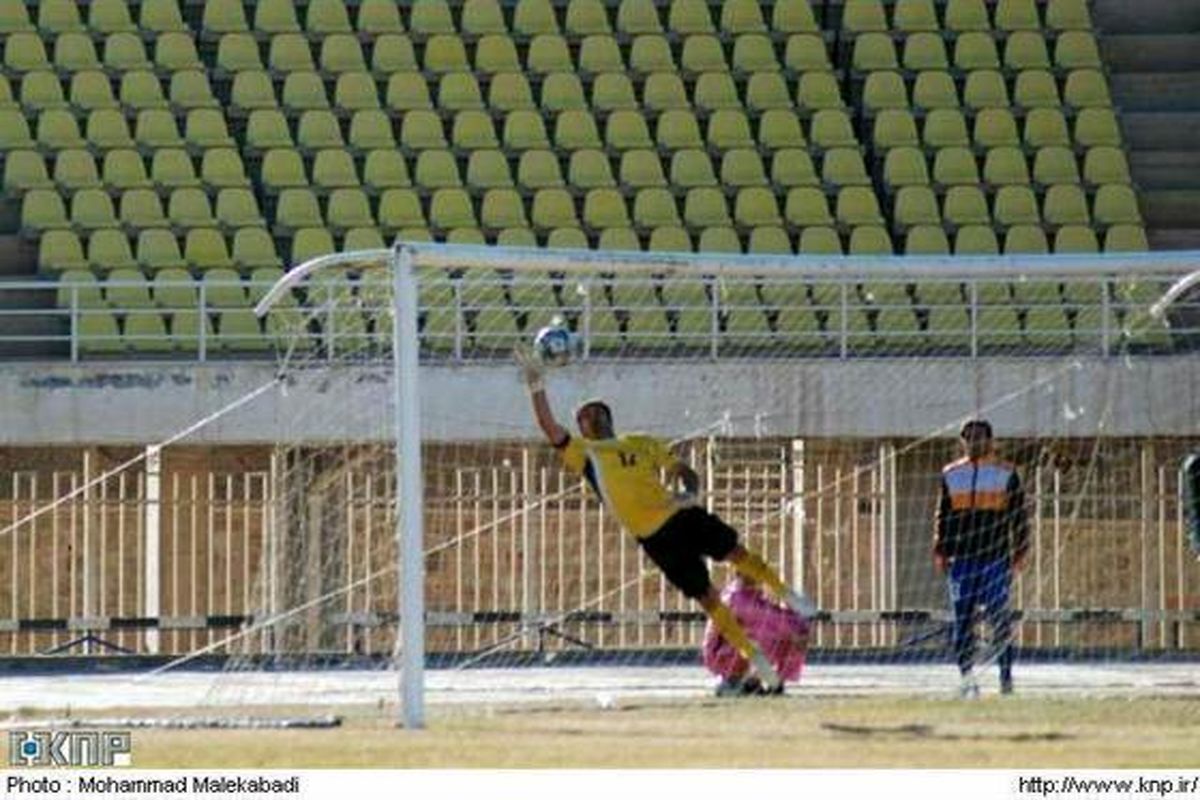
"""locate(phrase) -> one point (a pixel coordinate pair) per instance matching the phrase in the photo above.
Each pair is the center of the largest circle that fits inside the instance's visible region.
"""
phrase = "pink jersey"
(773, 627)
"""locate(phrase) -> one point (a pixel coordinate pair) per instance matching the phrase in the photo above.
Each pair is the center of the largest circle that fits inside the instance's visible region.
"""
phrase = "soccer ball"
(554, 346)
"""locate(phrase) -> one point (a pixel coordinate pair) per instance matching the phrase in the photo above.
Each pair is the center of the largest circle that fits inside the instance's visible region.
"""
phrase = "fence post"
(152, 511)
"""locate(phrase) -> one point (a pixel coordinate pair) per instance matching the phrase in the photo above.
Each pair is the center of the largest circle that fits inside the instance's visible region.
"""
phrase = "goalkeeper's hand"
(531, 371)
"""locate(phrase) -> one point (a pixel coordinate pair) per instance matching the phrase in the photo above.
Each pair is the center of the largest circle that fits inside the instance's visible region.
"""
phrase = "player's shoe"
(968, 688)
(801, 603)
(766, 673)
(1006, 684)
(739, 687)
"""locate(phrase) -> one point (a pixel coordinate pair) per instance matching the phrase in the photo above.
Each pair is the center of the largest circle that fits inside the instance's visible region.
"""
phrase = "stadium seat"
(176, 51)
(25, 52)
(915, 205)
(174, 289)
(933, 89)
(142, 208)
(985, 88)
(171, 168)
(679, 130)
(704, 207)
(458, 91)
(895, 128)
(1017, 15)
(1036, 88)
(844, 166)
(912, 16)
(927, 240)
(40, 91)
(59, 251)
(945, 128)
(157, 248)
(955, 166)
(831, 128)
(1054, 165)
(641, 169)
(92, 209)
(127, 289)
(237, 208)
(655, 208)
(1097, 127)
(429, 17)
(486, 169)
(1027, 239)
(393, 53)
(976, 50)
(905, 166)
(124, 52)
(1015, 206)
(1075, 239)
(806, 53)
(713, 91)
(884, 89)
(976, 240)
(1068, 15)
(1005, 166)
(670, 239)
(1065, 205)
(1116, 204)
(1046, 127)
(1086, 88)
(1077, 50)
(297, 208)
(925, 51)
(553, 208)
(205, 128)
(576, 130)
(764, 91)
(276, 16)
(859, 16)
(76, 169)
(327, 16)
(755, 206)
(857, 206)
(1026, 50)
(190, 208)
(539, 169)
(965, 205)
(74, 52)
(502, 208)
(874, 51)
(996, 127)
(1125, 238)
(91, 90)
(702, 54)
(1104, 165)
(870, 240)
(379, 18)
(108, 249)
(253, 249)
(590, 169)
(482, 17)
(807, 206)
(793, 167)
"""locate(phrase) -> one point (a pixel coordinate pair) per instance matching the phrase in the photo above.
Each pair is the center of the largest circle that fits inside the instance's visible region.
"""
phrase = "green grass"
(995, 732)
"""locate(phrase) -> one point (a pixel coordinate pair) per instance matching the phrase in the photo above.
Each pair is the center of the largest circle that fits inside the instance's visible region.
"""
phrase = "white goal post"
(406, 259)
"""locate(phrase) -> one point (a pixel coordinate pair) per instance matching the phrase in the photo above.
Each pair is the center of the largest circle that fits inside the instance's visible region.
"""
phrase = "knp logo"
(46, 748)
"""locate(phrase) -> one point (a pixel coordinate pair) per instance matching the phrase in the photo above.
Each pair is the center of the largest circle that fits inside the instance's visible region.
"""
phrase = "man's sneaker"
(801, 603)
(1006, 684)
(738, 687)
(766, 673)
(968, 689)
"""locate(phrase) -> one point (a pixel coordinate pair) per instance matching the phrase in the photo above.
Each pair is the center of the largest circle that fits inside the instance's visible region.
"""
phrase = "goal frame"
(404, 258)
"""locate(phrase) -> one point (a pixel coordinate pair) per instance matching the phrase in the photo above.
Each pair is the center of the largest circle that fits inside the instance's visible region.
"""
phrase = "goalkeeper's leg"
(752, 566)
(732, 631)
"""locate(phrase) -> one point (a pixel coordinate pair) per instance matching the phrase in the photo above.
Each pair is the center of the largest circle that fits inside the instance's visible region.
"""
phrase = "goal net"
(817, 399)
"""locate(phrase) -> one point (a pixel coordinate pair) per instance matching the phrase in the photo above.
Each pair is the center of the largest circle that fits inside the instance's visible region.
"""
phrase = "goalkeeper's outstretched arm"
(555, 433)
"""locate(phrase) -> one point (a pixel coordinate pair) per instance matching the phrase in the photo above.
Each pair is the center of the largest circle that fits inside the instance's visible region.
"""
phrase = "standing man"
(638, 478)
(981, 534)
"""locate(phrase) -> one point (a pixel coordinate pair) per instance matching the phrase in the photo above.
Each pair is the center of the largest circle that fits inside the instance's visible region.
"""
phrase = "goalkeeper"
(627, 473)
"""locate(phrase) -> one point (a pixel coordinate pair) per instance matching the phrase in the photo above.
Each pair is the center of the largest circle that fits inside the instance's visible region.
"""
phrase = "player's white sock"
(766, 673)
(968, 688)
(801, 603)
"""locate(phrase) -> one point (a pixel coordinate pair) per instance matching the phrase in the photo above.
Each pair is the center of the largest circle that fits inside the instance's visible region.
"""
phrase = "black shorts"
(679, 547)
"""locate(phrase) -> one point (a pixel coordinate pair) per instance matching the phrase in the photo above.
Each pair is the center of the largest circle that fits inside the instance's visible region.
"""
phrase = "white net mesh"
(818, 404)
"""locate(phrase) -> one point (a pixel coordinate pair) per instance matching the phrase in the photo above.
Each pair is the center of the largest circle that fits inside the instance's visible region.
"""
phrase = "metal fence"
(479, 314)
(519, 556)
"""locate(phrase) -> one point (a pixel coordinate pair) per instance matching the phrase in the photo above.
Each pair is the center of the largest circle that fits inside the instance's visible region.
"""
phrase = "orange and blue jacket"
(981, 512)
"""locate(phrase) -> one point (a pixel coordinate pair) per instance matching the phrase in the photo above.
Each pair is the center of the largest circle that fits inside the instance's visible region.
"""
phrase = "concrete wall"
(138, 404)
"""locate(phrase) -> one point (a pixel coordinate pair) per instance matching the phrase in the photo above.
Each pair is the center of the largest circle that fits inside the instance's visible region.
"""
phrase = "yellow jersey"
(625, 472)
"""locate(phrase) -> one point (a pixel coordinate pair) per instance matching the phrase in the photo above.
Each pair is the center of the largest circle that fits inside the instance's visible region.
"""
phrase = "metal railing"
(468, 315)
